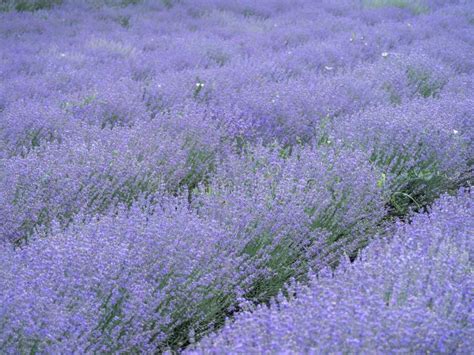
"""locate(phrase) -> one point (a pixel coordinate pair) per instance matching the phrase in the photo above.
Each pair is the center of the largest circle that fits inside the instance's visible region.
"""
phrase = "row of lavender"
(411, 293)
(164, 163)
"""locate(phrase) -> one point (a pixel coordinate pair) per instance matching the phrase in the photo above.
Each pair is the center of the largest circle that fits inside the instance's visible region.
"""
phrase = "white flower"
(385, 54)
(455, 131)
(328, 67)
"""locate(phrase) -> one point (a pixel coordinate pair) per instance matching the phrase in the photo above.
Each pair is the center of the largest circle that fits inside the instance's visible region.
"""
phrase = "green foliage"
(394, 97)
(198, 88)
(124, 21)
(111, 317)
(169, 4)
(114, 3)
(251, 13)
(69, 105)
(424, 83)
(416, 6)
(201, 92)
(218, 56)
(209, 313)
(286, 261)
(124, 193)
(130, 2)
(33, 139)
(28, 5)
(323, 134)
(200, 164)
(110, 121)
(410, 186)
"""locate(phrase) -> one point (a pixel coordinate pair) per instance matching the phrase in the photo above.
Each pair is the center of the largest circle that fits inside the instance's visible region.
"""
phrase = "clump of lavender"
(422, 148)
(293, 211)
(411, 292)
(124, 283)
(95, 170)
(170, 268)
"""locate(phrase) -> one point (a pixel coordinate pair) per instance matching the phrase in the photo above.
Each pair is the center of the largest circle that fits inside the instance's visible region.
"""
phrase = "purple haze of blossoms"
(410, 293)
(165, 163)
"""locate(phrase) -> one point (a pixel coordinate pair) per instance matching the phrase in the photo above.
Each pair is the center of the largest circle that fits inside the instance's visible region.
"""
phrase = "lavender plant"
(292, 209)
(411, 293)
(97, 170)
(119, 284)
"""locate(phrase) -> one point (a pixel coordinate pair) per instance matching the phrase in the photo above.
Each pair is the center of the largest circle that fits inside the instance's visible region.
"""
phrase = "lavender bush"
(163, 164)
(410, 293)
(123, 283)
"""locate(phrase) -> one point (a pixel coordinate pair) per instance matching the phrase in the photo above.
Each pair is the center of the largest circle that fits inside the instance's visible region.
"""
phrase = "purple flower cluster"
(163, 164)
(172, 266)
(119, 284)
(96, 169)
(411, 292)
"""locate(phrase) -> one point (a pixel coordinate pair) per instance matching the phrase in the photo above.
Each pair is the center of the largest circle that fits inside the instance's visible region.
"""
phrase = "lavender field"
(236, 176)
